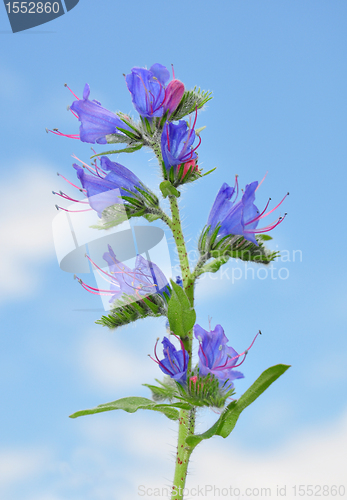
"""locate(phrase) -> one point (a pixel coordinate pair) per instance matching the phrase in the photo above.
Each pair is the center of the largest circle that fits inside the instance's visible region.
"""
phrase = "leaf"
(213, 267)
(168, 189)
(131, 405)
(129, 149)
(227, 421)
(180, 314)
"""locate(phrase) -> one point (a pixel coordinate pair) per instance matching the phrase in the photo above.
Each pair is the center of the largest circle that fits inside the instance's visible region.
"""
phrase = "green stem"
(186, 418)
(186, 428)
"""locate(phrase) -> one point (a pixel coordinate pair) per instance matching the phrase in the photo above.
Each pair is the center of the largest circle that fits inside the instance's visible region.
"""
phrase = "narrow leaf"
(227, 421)
(131, 405)
(168, 189)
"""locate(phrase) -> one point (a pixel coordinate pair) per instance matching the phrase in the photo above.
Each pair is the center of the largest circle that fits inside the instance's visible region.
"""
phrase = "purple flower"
(176, 144)
(144, 280)
(96, 121)
(175, 363)
(239, 218)
(216, 357)
(105, 184)
(149, 94)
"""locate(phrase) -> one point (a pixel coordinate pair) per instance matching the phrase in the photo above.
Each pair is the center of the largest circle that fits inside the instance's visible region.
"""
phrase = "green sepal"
(129, 149)
(135, 137)
(214, 266)
(180, 314)
(167, 391)
(131, 405)
(129, 310)
(227, 421)
(209, 172)
(191, 100)
(168, 189)
(151, 217)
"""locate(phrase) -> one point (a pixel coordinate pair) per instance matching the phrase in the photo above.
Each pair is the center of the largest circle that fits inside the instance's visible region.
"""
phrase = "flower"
(96, 121)
(176, 145)
(239, 218)
(149, 95)
(175, 363)
(216, 358)
(104, 189)
(144, 280)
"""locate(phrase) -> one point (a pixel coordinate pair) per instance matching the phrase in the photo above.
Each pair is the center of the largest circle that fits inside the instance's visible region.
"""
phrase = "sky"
(278, 75)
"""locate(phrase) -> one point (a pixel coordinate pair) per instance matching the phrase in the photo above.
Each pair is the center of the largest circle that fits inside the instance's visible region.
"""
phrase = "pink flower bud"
(188, 165)
(173, 95)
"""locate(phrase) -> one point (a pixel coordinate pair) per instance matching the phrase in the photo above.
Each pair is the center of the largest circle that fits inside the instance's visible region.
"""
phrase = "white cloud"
(27, 210)
(19, 465)
(109, 363)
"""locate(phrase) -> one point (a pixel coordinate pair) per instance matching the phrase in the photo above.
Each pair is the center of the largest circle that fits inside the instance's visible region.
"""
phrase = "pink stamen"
(168, 139)
(157, 360)
(70, 136)
(73, 113)
(65, 85)
(236, 357)
(261, 182)
(173, 72)
(97, 267)
(66, 197)
(267, 228)
(72, 211)
(259, 216)
(71, 184)
(262, 216)
(183, 348)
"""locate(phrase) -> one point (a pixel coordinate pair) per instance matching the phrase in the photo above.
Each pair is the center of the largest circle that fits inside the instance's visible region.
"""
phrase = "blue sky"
(278, 75)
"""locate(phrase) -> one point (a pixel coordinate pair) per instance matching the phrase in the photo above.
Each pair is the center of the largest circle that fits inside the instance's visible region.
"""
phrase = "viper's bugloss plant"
(204, 377)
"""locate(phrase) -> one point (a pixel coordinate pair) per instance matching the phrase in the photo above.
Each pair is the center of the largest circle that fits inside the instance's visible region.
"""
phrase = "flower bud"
(173, 95)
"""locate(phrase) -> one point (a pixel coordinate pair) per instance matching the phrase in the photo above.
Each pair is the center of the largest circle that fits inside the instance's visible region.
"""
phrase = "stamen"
(183, 348)
(66, 197)
(261, 182)
(71, 184)
(56, 132)
(236, 357)
(72, 211)
(173, 72)
(259, 216)
(262, 216)
(65, 85)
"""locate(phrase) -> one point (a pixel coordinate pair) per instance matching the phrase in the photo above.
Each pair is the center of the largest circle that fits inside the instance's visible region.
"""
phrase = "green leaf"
(131, 405)
(227, 421)
(168, 390)
(209, 172)
(168, 189)
(180, 314)
(129, 149)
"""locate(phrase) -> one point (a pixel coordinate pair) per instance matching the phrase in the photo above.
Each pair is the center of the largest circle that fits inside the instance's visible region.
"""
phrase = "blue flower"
(239, 218)
(176, 144)
(144, 280)
(147, 88)
(104, 189)
(175, 363)
(96, 121)
(216, 357)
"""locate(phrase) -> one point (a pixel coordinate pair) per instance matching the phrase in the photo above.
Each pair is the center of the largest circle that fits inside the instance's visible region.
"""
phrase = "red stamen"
(259, 216)
(275, 206)
(72, 211)
(70, 136)
(173, 72)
